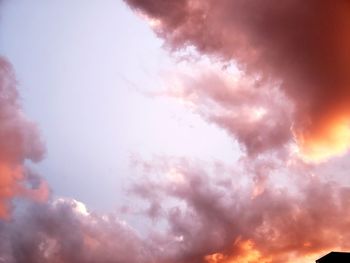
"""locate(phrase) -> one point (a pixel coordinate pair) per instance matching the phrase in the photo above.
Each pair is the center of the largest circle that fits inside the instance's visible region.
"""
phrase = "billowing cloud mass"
(63, 231)
(280, 77)
(303, 45)
(198, 217)
(220, 217)
(19, 141)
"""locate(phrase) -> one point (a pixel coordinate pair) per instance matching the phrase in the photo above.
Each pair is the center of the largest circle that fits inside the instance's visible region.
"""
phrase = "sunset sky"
(160, 131)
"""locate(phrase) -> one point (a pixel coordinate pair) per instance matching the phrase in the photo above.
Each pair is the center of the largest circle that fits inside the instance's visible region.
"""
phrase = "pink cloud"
(221, 214)
(19, 141)
(302, 45)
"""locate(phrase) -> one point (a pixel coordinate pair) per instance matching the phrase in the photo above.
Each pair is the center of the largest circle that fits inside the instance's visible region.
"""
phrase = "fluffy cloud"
(302, 45)
(216, 215)
(65, 231)
(257, 115)
(19, 141)
(206, 214)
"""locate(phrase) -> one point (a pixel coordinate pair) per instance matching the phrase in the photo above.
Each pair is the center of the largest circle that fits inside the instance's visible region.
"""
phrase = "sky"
(159, 131)
(82, 70)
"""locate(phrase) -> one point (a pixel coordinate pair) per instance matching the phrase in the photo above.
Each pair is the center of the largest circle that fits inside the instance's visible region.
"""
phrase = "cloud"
(65, 231)
(256, 115)
(216, 216)
(302, 45)
(208, 213)
(278, 75)
(19, 142)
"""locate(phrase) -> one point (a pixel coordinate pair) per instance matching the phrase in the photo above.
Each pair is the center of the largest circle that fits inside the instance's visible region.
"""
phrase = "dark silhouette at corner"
(335, 257)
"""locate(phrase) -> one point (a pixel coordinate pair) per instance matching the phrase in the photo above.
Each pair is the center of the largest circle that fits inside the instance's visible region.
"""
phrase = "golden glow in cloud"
(330, 139)
(246, 253)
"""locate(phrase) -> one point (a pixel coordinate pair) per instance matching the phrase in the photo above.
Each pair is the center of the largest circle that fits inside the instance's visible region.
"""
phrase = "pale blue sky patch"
(80, 65)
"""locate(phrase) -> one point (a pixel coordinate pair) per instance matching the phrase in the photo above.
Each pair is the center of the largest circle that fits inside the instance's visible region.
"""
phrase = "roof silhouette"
(335, 257)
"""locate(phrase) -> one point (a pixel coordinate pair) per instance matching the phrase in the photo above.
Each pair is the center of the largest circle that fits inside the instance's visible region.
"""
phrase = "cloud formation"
(303, 45)
(19, 142)
(201, 218)
(64, 231)
(259, 117)
(290, 83)
(219, 217)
